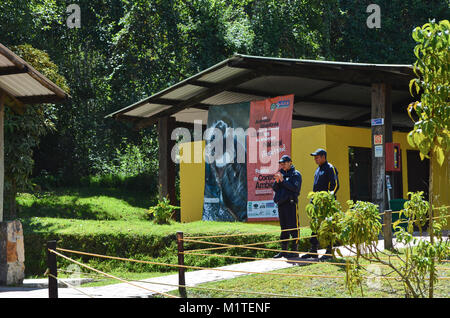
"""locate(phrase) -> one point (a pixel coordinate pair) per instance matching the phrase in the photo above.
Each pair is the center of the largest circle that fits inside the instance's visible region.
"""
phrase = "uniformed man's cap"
(285, 158)
(319, 152)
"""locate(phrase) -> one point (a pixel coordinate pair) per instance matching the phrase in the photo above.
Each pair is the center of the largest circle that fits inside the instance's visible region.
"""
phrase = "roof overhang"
(325, 92)
(21, 84)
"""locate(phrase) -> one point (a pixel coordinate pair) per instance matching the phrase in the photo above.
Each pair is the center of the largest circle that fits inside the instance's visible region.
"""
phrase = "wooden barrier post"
(52, 269)
(387, 230)
(181, 269)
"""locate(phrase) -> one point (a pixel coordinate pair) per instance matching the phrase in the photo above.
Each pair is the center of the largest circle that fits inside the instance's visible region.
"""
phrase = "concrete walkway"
(31, 288)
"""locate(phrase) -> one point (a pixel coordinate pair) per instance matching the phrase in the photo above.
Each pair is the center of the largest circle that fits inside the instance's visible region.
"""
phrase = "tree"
(431, 132)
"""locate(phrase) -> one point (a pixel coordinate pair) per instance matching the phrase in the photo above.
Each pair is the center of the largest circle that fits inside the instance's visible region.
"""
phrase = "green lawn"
(266, 285)
(112, 222)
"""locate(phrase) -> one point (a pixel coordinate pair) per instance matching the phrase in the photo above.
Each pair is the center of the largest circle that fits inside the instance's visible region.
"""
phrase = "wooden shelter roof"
(325, 91)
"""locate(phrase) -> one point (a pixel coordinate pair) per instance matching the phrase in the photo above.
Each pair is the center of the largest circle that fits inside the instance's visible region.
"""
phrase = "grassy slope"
(112, 222)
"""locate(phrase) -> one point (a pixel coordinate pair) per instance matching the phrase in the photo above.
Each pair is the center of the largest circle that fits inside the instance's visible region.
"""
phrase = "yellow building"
(339, 142)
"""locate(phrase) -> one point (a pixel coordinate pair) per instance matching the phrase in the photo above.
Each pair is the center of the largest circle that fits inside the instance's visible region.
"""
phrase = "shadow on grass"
(49, 203)
(68, 210)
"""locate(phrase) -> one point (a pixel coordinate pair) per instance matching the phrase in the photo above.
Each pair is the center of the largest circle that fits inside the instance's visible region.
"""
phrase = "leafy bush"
(163, 212)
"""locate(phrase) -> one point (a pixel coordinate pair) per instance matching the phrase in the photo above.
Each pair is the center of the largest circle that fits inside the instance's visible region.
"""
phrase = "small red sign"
(378, 139)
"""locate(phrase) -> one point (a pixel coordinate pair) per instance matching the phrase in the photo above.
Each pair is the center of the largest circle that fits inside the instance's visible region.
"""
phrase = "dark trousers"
(287, 214)
(315, 242)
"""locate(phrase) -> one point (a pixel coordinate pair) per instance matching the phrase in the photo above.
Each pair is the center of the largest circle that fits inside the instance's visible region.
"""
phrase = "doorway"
(418, 172)
(360, 168)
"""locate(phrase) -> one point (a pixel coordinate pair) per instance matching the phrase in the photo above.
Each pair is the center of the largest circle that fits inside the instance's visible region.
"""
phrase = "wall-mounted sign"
(378, 139)
(377, 121)
(379, 151)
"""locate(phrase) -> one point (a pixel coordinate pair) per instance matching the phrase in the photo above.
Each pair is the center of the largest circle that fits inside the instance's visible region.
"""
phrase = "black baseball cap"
(319, 152)
(285, 158)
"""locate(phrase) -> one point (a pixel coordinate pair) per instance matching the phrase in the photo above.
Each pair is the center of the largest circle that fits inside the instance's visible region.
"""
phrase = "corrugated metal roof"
(221, 74)
(23, 83)
(147, 110)
(244, 78)
(184, 92)
(230, 98)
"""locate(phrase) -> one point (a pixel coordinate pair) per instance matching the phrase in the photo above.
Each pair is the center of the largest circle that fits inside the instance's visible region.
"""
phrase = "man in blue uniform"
(325, 179)
(287, 185)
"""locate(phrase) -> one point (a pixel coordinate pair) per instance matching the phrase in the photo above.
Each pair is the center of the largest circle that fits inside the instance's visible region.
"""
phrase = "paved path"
(124, 290)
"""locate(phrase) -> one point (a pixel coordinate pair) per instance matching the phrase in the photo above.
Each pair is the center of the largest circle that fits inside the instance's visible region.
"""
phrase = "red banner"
(269, 138)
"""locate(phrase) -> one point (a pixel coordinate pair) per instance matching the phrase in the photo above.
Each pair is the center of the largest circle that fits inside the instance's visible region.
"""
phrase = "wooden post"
(52, 269)
(382, 113)
(387, 230)
(166, 177)
(181, 269)
(2, 151)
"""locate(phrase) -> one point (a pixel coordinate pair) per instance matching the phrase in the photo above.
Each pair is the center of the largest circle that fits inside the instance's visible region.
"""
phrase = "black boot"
(314, 247)
(327, 257)
(294, 248)
(284, 247)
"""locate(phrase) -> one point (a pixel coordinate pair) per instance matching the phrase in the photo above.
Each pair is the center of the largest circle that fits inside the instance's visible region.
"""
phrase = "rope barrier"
(249, 247)
(187, 266)
(108, 275)
(194, 267)
(289, 260)
(244, 234)
(69, 285)
(249, 244)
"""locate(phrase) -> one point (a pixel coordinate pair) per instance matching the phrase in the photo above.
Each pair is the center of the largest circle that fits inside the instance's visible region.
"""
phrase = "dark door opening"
(360, 166)
(418, 172)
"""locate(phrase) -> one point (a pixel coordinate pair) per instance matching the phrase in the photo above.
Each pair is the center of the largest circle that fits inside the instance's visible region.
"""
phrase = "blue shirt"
(326, 178)
(289, 188)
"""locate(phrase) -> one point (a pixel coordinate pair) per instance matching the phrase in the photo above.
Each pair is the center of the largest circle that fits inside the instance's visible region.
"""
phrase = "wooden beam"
(9, 100)
(214, 90)
(39, 99)
(2, 151)
(321, 90)
(166, 175)
(342, 122)
(10, 70)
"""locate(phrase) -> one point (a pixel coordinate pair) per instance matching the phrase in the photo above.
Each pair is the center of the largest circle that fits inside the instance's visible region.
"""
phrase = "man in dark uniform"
(287, 185)
(325, 179)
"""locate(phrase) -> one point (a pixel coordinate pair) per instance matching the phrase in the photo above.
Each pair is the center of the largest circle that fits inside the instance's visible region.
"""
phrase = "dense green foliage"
(431, 133)
(127, 50)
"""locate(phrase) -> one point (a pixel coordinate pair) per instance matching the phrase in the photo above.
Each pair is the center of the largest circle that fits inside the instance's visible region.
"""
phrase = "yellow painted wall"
(192, 182)
(336, 140)
(305, 141)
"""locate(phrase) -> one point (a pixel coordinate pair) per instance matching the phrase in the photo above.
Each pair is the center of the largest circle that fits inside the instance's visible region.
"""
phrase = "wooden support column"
(166, 176)
(382, 114)
(2, 151)
(387, 230)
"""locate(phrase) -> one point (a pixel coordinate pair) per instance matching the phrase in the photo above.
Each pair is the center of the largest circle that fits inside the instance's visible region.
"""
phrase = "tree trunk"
(430, 199)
